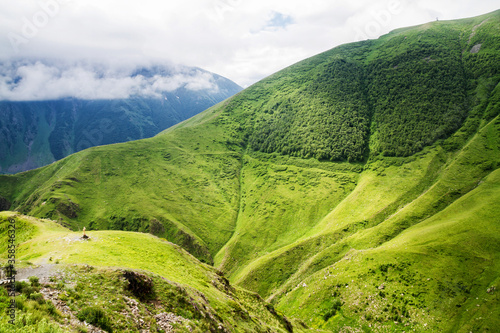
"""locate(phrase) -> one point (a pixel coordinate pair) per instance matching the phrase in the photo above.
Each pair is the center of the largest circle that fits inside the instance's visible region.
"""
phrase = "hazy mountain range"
(49, 110)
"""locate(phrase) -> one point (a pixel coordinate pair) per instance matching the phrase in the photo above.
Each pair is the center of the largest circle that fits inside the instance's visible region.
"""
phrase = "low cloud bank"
(37, 81)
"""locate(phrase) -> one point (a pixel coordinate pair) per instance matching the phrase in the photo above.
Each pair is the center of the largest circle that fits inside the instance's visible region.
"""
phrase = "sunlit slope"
(441, 274)
(197, 290)
(180, 185)
(45, 242)
(387, 200)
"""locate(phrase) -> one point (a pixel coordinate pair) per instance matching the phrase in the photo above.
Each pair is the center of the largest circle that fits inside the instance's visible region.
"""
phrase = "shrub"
(95, 316)
(51, 309)
(336, 306)
(37, 297)
(20, 303)
(30, 323)
(21, 285)
(82, 329)
(156, 227)
(24, 288)
(34, 281)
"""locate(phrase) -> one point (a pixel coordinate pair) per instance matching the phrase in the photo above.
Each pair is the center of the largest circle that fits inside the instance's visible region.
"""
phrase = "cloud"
(242, 40)
(39, 81)
(200, 81)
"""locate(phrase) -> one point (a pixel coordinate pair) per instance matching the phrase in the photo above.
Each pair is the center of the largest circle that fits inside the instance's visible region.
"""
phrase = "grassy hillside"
(355, 189)
(122, 272)
(171, 185)
(440, 275)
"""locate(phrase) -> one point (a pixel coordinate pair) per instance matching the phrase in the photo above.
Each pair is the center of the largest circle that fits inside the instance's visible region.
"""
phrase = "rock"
(166, 319)
(475, 48)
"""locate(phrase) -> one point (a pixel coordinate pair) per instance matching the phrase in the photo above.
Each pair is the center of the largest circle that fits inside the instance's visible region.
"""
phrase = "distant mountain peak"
(50, 109)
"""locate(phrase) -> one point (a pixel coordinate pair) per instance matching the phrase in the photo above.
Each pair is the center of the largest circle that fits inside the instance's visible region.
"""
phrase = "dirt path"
(43, 272)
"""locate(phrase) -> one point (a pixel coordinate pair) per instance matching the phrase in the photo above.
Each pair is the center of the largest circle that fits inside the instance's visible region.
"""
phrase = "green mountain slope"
(170, 280)
(357, 188)
(441, 274)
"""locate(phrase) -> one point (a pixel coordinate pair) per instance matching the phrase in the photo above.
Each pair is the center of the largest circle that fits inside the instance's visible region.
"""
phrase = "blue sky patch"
(279, 20)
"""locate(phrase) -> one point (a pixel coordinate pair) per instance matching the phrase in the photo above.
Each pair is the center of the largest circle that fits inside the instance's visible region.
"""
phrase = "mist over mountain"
(49, 110)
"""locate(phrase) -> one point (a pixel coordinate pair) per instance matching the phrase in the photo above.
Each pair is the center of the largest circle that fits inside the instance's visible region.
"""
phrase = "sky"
(243, 40)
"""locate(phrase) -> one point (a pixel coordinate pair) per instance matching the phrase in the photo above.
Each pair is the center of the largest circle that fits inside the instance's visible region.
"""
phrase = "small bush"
(34, 281)
(95, 316)
(24, 288)
(9, 270)
(37, 297)
(63, 297)
(20, 285)
(73, 294)
(336, 306)
(156, 227)
(82, 329)
(31, 323)
(20, 303)
(52, 310)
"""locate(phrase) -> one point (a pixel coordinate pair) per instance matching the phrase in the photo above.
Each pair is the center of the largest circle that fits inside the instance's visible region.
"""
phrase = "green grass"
(436, 274)
(92, 283)
(385, 226)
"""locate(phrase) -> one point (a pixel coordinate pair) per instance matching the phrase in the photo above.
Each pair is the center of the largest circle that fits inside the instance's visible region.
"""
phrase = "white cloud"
(224, 36)
(39, 81)
(199, 81)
